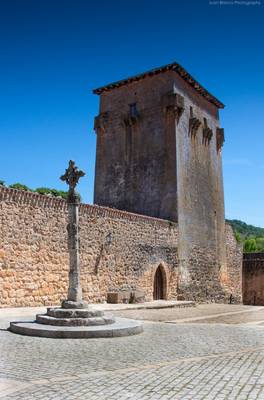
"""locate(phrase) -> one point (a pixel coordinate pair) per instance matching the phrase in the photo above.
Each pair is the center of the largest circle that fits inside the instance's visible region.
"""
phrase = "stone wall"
(205, 280)
(231, 273)
(118, 250)
(253, 279)
(200, 196)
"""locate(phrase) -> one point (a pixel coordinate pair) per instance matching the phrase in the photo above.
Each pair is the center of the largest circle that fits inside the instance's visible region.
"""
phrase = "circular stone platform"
(61, 322)
(121, 327)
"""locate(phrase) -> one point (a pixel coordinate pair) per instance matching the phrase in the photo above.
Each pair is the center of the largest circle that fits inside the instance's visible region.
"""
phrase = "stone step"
(58, 312)
(121, 327)
(155, 304)
(48, 320)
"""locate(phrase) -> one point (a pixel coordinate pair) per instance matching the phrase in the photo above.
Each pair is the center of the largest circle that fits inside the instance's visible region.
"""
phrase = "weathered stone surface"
(69, 304)
(253, 279)
(126, 296)
(121, 327)
(136, 162)
(231, 272)
(73, 313)
(119, 297)
(119, 250)
(74, 297)
(168, 164)
(137, 296)
(91, 321)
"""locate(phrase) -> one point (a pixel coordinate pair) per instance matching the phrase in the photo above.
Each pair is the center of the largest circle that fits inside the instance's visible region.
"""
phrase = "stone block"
(119, 297)
(137, 296)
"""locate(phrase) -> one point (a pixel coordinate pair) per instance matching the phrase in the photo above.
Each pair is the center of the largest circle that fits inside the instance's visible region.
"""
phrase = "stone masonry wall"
(150, 159)
(200, 197)
(231, 274)
(253, 279)
(207, 280)
(136, 159)
(118, 250)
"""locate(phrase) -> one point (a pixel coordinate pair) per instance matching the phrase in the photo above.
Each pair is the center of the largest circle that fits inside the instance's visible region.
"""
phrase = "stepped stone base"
(76, 323)
(74, 304)
(46, 319)
(121, 327)
(58, 312)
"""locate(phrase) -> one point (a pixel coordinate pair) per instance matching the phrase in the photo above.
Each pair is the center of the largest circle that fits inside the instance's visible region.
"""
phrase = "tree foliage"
(40, 190)
(252, 237)
(260, 244)
(250, 246)
(52, 192)
(20, 186)
(245, 230)
(238, 237)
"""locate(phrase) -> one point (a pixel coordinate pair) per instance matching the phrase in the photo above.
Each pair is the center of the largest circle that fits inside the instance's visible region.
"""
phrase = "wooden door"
(158, 292)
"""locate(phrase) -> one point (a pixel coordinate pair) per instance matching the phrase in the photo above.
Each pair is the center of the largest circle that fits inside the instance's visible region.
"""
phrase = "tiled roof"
(169, 67)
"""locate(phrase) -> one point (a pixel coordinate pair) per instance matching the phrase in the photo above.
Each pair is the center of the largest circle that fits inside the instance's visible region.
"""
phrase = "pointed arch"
(160, 283)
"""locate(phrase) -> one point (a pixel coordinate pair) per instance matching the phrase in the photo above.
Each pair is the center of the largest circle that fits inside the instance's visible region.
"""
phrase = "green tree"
(53, 192)
(20, 186)
(238, 237)
(246, 230)
(250, 245)
(260, 244)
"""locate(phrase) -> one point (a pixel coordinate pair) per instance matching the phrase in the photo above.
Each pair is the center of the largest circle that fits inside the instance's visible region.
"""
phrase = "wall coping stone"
(45, 201)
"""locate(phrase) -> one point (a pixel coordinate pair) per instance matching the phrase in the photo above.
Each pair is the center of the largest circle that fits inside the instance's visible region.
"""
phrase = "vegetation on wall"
(252, 237)
(52, 192)
(20, 186)
(41, 190)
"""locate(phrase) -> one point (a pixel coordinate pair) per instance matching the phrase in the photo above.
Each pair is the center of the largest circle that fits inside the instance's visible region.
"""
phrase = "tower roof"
(169, 67)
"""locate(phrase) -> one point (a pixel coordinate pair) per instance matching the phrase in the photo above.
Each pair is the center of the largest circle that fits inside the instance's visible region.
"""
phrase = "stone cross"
(71, 177)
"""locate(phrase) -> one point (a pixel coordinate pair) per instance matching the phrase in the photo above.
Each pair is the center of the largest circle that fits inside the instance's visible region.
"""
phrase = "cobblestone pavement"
(168, 361)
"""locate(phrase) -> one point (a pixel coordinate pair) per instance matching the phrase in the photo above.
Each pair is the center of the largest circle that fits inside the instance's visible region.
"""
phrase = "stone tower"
(159, 154)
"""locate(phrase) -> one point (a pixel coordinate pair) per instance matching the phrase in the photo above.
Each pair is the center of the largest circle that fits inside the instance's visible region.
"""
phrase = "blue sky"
(54, 52)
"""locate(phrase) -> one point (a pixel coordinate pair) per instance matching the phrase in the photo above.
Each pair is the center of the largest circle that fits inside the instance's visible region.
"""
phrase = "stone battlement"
(45, 201)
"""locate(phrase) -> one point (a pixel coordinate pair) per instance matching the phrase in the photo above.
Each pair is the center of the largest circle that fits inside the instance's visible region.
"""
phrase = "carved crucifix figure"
(71, 177)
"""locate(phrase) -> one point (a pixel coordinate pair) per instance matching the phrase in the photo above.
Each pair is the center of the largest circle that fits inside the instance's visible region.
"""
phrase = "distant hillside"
(246, 230)
(252, 237)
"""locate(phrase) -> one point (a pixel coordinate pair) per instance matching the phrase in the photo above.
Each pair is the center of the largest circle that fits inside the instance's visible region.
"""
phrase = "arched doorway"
(159, 288)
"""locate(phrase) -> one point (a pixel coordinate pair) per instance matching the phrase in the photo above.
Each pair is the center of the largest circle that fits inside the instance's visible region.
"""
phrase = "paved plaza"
(203, 352)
